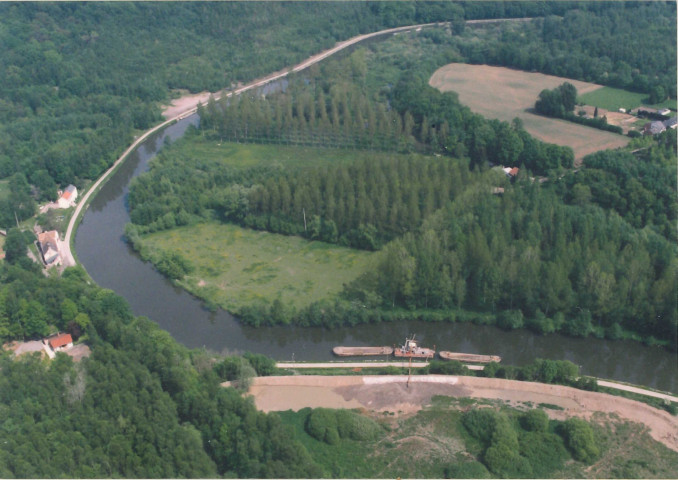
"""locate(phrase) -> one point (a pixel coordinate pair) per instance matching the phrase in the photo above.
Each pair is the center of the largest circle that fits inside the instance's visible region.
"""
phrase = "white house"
(49, 247)
(68, 197)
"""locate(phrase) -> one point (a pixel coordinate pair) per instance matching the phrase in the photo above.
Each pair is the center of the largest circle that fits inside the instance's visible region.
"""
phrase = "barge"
(412, 350)
(469, 357)
(361, 351)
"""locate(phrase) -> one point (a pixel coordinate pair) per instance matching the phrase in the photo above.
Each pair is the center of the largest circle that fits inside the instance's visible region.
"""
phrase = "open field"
(245, 155)
(504, 94)
(615, 98)
(235, 266)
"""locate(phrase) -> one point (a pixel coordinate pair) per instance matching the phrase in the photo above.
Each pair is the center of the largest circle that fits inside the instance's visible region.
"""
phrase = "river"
(101, 248)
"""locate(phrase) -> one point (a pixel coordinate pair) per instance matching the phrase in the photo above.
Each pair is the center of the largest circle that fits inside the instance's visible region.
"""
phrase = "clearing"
(615, 98)
(504, 94)
(235, 266)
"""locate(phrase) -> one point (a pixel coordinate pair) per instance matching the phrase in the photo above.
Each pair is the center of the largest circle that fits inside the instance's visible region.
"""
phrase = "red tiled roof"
(66, 195)
(60, 340)
(514, 171)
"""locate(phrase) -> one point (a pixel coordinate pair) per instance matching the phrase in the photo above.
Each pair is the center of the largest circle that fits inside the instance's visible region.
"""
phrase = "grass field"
(245, 155)
(235, 266)
(504, 94)
(614, 98)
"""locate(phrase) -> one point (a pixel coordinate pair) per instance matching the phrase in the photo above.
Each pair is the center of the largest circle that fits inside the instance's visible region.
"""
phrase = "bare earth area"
(504, 94)
(391, 393)
(184, 104)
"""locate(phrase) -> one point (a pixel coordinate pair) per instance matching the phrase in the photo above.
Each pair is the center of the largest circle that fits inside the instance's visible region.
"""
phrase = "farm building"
(48, 242)
(511, 172)
(653, 128)
(664, 111)
(68, 197)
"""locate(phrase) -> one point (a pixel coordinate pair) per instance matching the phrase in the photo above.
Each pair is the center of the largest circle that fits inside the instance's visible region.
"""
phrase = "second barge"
(361, 351)
(469, 357)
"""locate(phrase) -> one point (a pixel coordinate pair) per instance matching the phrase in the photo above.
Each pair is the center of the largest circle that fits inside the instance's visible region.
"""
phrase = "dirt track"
(391, 393)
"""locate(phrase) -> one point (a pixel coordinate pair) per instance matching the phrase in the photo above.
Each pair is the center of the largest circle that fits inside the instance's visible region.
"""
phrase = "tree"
(580, 440)
(15, 245)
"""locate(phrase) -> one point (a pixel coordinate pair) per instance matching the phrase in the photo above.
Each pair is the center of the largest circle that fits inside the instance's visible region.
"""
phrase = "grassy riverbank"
(234, 266)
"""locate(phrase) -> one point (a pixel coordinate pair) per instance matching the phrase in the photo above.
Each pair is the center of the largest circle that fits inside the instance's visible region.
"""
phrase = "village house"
(671, 123)
(511, 172)
(664, 111)
(48, 244)
(59, 342)
(68, 197)
(653, 128)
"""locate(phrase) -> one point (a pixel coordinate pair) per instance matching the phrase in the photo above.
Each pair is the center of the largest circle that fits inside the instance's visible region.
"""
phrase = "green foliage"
(535, 421)
(580, 440)
(467, 469)
(321, 424)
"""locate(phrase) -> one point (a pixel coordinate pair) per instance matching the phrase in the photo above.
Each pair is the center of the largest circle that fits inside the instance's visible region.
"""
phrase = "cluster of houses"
(660, 120)
(48, 242)
(657, 127)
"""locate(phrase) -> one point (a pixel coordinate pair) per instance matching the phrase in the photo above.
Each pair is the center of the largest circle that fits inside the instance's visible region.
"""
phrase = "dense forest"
(140, 406)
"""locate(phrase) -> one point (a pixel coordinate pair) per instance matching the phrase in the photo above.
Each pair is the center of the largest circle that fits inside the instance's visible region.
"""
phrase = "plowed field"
(503, 93)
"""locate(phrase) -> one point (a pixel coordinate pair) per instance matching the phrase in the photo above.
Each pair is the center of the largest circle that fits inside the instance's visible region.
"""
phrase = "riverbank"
(391, 393)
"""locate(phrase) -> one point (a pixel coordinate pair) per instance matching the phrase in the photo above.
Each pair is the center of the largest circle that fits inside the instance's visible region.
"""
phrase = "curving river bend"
(112, 264)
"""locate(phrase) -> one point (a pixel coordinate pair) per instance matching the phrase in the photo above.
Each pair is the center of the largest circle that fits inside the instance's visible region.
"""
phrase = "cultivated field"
(503, 93)
(235, 266)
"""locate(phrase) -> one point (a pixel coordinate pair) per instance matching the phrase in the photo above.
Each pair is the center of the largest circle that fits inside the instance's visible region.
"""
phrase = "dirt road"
(391, 393)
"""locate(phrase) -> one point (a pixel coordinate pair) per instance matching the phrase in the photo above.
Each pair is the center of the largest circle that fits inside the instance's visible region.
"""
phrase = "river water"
(101, 248)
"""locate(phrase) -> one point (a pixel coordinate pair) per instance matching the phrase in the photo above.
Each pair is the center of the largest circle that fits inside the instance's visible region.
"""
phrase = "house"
(68, 197)
(48, 243)
(511, 172)
(671, 122)
(60, 342)
(664, 111)
(653, 128)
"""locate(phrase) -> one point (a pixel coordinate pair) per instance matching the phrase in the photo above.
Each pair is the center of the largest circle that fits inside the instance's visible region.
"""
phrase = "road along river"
(101, 249)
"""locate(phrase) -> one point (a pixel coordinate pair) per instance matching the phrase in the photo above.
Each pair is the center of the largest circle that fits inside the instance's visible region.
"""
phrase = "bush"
(545, 452)
(467, 470)
(480, 424)
(510, 320)
(535, 421)
(356, 427)
(321, 424)
(447, 367)
(580, 440)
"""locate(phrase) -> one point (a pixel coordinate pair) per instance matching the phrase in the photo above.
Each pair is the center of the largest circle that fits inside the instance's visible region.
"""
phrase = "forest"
(81, 79)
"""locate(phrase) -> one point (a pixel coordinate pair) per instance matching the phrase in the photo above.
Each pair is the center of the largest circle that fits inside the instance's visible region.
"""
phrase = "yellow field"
(503, 93)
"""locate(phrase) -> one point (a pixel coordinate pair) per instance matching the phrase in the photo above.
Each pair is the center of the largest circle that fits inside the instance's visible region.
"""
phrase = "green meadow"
(234, 266)
(615, 98)
(246, 155)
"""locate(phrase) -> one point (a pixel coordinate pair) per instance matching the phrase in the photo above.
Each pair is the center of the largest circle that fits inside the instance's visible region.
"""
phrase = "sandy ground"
(184, 104)
(503, 93)
(391, 393)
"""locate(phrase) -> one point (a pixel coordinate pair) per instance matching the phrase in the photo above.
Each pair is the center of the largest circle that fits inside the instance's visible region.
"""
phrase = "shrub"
(510, 320)
(356, 427)
(580, 440)
(535, 421)
(545, 452)
(467, 470)
(321, 424)
(480, 424)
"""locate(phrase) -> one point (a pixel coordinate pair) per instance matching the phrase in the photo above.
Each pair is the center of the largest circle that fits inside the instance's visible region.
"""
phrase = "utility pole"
(304, 211)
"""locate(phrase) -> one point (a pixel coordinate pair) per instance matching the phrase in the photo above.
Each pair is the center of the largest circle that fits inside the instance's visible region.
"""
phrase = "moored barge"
(469, 357)
(361, 351)
(412, 350)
